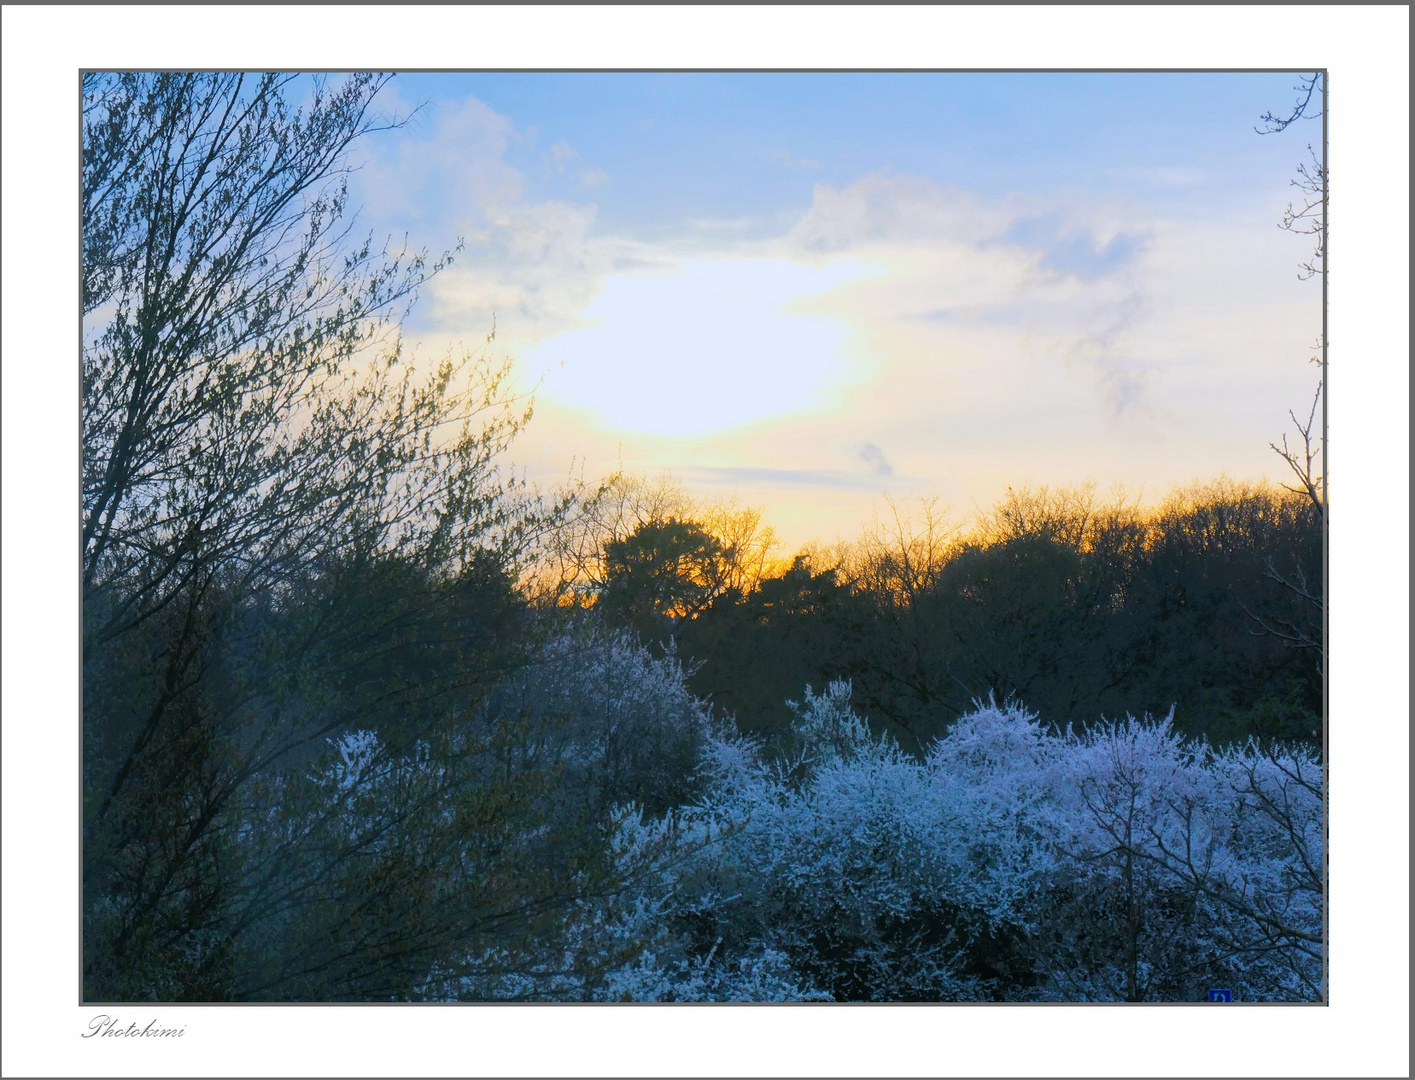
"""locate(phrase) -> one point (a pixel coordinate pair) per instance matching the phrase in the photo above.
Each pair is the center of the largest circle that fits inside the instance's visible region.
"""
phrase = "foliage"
(626, 727)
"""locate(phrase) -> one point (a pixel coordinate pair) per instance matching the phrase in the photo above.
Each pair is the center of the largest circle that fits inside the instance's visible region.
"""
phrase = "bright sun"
(715, 344)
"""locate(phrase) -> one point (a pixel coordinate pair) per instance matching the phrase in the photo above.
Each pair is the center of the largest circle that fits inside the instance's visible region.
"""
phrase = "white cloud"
(531, 267)
(899, 209)
(561, 154)
(446, 167)
(535, 266)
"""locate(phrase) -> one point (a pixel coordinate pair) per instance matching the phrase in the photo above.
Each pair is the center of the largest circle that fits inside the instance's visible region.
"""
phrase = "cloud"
(884, 208)
(1088, 248)
(773, 351)
(1053, 336)
(529, 266)
(561, 154)
(1007, 282)
(876, 280)
(790, 161)
(446, 167)
(723, 224)
(789, 479)
(535, 266)
(1123, 378)
(922, 255)
(874, 457)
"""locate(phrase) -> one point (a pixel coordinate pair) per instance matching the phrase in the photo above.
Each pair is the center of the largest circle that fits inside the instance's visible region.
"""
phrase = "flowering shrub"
(1122, 862)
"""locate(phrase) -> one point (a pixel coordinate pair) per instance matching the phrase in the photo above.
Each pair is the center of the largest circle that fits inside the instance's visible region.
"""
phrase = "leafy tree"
(663, 572)
(245, 396)
(613, 530)
(624, 723)
(1057, 597)
(753, 652)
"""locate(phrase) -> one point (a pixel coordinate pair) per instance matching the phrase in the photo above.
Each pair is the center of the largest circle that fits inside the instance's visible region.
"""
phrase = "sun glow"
(712, 345)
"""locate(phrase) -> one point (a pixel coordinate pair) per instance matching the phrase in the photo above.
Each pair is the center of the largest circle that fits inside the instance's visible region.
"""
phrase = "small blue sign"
(1220, 995)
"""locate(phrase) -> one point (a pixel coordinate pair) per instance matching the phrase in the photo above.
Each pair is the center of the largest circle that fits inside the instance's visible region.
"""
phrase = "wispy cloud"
(787, 479)
(791, 161)
(884, 208)
(446, 167)
(560, 155)
(874, 457)
(1088, 248)
(722, 224)
(1024, 278)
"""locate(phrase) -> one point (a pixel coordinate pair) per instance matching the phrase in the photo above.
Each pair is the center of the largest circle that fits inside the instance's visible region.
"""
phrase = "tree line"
(1075, 604)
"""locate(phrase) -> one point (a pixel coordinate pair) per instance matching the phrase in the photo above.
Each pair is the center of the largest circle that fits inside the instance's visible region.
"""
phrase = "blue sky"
(810, 291)
(752, 145)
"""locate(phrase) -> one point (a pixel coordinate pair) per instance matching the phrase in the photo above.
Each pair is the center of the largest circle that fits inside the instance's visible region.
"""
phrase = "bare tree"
(1307, 214)
(1305, 455)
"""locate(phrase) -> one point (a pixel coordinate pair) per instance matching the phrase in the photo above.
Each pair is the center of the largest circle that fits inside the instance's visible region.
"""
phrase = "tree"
(625, 722)
(1307, 215)
(663, 572)
(245, 396)
(287, 532)
(1075, 603)
(576, 557)
(1305, 457)
(752, 653)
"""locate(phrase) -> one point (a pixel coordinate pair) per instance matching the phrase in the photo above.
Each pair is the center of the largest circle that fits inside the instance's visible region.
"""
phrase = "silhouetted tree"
(1082, 605)
(663, 572)
(574, 558)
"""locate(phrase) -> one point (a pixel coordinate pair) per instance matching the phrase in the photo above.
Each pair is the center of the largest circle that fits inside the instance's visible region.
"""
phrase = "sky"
(812, 292)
